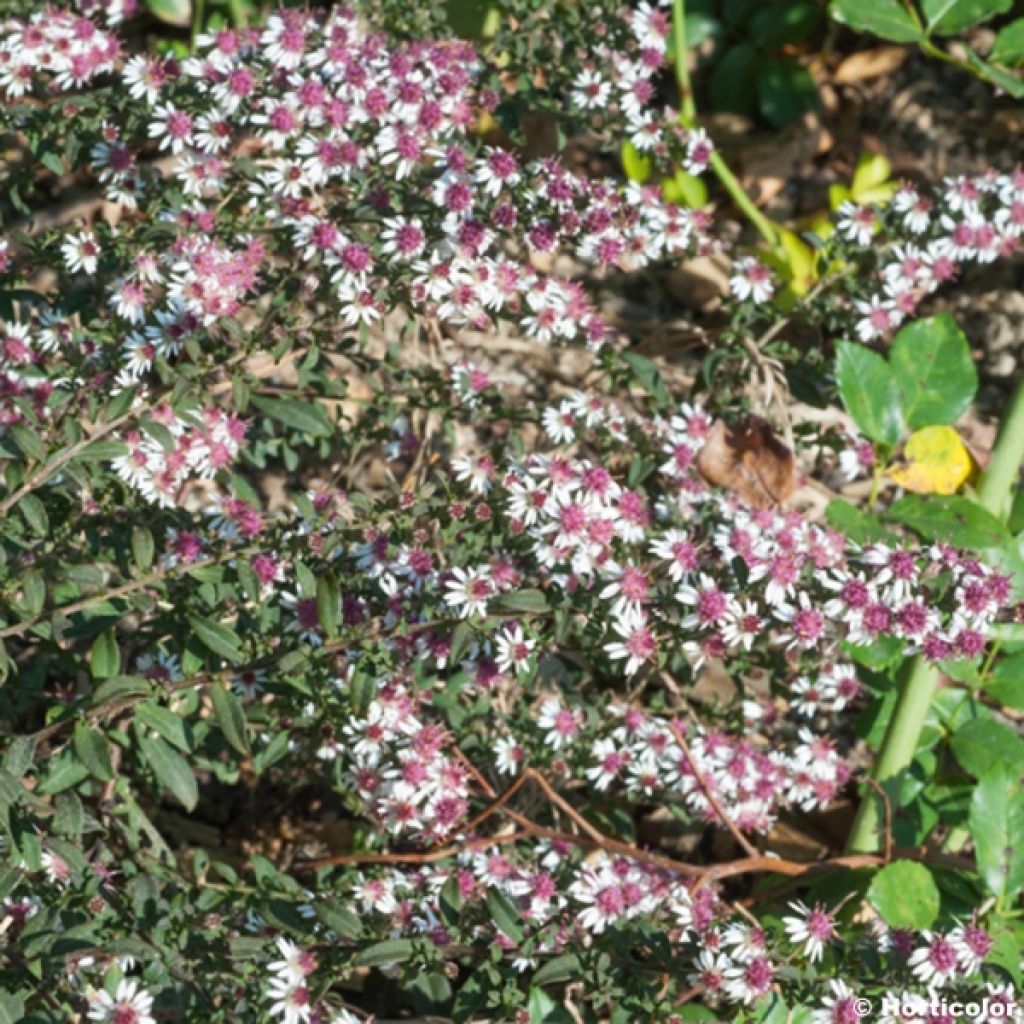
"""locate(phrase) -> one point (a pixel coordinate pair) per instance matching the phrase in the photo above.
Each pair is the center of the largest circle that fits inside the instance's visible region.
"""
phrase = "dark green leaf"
(777, 25)
(93, 751)
(869, 391)
(103, 450)
(905, 895)
(29, 441)
(12, 1008)
(35, 515)
(532, 601)
(431, 989)
(68, 815)
(559, 968)
(61, 773)
(339, 919)
(219, 639)
(504, 915)
(543, 1009)
(462, 637)
(33, 589)
(948, 17)
(390, 951)
(105, 658)
(855, 523)
(932, 363)
(52, 162)
(142, 547)
(160, 433)
(733, 85)
(328, 603)
(648, 375)
(1009, 45)
(20, 752)
(164, 722)
(983, 742)
(997, 828)
(886, 18)
(950, 518)
(308, 418)
(785, 91)
(230, 717)
(1006, 683)
(1009, 81)
(171, 770)
(120, 688)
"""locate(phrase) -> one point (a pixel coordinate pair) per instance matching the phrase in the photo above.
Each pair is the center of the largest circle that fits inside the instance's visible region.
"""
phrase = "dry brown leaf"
(859, 67)
(750, 460)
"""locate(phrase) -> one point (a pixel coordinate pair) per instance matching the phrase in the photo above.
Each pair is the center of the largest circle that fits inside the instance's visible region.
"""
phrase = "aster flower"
(937, 962)
(81, 252)
(469, 591)
(839, 1007)
(813, 928)
(130, 1004)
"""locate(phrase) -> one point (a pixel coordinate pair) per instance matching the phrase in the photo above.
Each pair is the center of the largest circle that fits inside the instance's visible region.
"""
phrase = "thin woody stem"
(709, 794)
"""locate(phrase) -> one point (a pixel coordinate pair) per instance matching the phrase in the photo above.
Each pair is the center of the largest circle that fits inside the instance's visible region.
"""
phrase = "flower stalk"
(688, 117)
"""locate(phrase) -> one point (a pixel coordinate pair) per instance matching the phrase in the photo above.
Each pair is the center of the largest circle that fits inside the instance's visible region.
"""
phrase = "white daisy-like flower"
(812, 927)
(81, 252)
(130, 1004)
(469, 592)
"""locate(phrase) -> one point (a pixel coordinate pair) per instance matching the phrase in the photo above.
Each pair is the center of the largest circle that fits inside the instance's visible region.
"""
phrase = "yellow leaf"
(935, 461)
(878, 194)
(685, 190)
(634, 163)
(837, 195)
(485, 123)
(872, 170)
(800, 261)
(822, 226)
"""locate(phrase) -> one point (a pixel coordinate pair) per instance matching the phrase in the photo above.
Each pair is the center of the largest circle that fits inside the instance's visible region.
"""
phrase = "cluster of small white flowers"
(66, 47)
(804, 585)
(731, 960)
(921, 242)
(191, 446)
(973, 220)
(288, 987)
(941, 961)
(563, 422)
(752, 783)
(829, 691)
(396, 764)
(331, 115)
(545, 882)
(614, 890)
(619, 83)
(113, 12)
(694, 571)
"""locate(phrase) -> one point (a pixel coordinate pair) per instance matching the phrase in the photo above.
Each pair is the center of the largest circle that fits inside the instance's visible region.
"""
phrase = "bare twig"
(709, 793)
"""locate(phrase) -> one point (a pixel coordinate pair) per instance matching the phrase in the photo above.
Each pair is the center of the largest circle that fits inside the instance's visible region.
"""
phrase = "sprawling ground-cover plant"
(479, 675)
